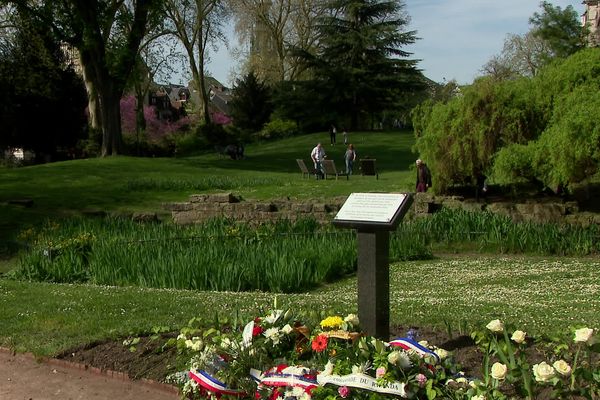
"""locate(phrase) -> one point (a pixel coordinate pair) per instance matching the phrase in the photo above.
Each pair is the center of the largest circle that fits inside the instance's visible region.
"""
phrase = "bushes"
(277, 129)
(528, 129)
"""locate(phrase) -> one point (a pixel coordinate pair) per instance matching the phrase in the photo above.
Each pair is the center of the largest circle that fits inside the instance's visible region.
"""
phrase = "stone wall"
(202, 207)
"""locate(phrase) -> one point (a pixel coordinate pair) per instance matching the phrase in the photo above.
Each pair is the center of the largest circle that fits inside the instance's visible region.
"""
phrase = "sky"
(457, 37)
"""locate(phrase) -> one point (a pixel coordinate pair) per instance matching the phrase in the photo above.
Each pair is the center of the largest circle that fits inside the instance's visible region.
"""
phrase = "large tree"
(522, 55)
(197, 24)
(271, 28)
(560, 28)
(35, 80)
(107, 35)
(360, 66)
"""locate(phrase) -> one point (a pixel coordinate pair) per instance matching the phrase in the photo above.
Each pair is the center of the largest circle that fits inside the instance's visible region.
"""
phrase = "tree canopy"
(359, 67)
(528, 129)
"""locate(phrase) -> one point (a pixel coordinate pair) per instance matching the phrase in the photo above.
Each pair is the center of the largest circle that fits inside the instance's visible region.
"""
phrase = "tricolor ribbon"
(211, 384)
(409, 344)
(277, 379)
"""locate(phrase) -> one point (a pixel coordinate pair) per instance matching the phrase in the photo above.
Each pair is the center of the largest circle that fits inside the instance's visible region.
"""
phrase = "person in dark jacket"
(423, 176)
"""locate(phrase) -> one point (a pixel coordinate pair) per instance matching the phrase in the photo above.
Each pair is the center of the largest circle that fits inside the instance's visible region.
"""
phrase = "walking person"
(349, 158)
(332, 133)
(423, 176)
(345, 134)
(317, 155)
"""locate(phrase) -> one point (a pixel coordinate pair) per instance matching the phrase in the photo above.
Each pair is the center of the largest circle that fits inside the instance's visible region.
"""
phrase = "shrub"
(278, 129)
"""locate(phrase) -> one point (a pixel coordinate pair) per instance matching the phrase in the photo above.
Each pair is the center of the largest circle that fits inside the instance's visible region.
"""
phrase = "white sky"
(457, 37)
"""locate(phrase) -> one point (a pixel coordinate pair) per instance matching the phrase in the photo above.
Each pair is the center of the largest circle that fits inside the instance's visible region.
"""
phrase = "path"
(24, 378)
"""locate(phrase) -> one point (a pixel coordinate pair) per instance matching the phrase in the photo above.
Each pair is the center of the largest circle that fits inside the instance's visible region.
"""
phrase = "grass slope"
(118, 184)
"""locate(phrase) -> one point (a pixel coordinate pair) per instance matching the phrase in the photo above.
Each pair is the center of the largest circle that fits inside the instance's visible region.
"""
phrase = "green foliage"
(214, 134)
(519, 130)
(513, 163)
(278, 129)
(188, 143)
(560, 29)
(360, 68)
(569, 150)
(251, 103)
(42, 99)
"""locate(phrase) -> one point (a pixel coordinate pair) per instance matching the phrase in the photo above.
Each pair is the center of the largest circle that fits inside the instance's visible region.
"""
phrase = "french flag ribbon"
(282, 379)
(212, 384)
(409, 344)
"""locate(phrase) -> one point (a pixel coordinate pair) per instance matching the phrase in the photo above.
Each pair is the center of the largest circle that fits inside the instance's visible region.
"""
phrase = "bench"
(303, 168)
(367, 167)
(330, 169)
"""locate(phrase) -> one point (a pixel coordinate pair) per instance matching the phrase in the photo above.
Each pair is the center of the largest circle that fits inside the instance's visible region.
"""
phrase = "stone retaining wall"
(202, 207)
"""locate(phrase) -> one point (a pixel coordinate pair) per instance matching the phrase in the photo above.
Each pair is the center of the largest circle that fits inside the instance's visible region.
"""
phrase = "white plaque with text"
(371, 207)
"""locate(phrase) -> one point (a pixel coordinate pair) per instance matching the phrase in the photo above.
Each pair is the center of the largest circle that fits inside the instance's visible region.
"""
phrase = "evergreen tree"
(360, 67)
(251, 104)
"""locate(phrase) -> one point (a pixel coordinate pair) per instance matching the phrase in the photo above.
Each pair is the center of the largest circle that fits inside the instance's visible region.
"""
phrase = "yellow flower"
(332, 322)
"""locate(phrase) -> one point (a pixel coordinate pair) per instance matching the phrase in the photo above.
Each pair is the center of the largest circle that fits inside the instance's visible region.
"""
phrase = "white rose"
(499, 371)
(518, 336)
(393, 357)
(584, 335)
(441, 353)
(189, 343)
(495, 326)
(478, 397)
(352, 319)
(424, 343)
(562, 367)
(462, 379)
(400, 359)
(273, 317)
(543, 372)
(181, 337)
(287, 329)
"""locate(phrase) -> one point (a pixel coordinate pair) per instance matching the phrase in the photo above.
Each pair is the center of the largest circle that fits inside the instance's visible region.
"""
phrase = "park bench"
(303, 168)
(367, 167)
(330, 169)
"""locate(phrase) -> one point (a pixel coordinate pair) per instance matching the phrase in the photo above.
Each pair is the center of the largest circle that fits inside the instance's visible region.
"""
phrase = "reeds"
(282, 256)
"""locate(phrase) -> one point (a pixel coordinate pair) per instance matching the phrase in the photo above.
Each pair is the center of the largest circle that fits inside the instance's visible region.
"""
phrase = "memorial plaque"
(379, 210)
(373, 215)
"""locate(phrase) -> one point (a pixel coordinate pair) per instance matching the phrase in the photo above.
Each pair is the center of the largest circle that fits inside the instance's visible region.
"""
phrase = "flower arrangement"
(570, 370)
(277, 356)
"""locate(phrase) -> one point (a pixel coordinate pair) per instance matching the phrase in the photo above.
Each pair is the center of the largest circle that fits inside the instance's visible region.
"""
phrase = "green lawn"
(123, 184)
(538, 295)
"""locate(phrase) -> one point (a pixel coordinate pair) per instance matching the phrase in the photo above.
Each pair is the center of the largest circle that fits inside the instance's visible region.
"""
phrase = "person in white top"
(318, 155)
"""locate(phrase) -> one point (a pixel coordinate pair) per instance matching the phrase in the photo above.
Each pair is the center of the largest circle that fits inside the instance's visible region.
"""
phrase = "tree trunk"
(203, 94)
(111, 121)
(93, 102)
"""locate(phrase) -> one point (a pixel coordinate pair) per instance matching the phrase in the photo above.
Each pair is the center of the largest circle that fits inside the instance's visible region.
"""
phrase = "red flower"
(257, 330)
(319, 343)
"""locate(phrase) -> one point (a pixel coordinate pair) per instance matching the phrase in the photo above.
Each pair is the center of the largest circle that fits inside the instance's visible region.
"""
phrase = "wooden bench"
(367, 167)
(330, 169)
(303, 168)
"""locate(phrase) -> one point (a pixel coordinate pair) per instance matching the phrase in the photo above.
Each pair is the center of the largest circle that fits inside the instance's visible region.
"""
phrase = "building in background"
(590, 19)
